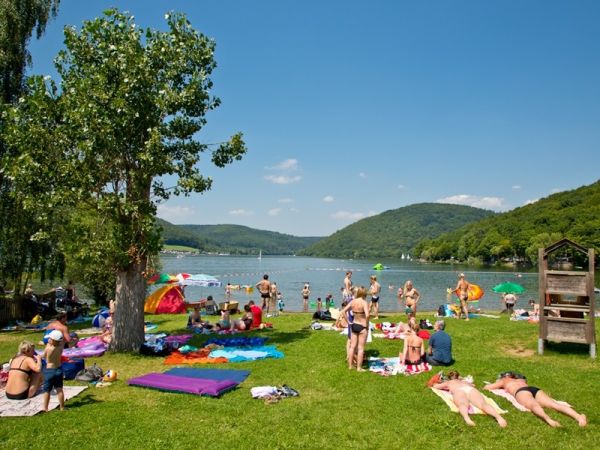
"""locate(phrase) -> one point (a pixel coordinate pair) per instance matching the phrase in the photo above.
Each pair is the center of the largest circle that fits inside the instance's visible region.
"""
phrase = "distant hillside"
(519, 233)
(394, 232)
(234, 239)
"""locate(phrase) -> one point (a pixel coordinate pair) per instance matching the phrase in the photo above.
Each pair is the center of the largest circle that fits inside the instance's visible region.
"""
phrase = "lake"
(326, 277)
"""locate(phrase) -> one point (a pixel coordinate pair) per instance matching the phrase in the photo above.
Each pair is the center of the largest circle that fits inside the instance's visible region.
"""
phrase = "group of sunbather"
(464, 393)
(251, 318)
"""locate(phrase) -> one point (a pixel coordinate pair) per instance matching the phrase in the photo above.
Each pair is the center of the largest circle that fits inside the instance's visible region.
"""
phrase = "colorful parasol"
(161, 278)
(509, 288)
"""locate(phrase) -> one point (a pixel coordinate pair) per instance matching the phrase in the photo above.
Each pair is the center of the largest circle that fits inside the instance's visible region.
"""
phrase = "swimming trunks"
(22, 396)
(265, 295)
(408, 310)
(53, 378)
(533, 390)
(357, 328)
(374, 299)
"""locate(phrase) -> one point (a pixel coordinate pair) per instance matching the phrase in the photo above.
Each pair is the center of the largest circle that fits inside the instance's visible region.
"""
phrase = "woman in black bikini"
(534, 399)
(24, 377)
(414, 348)
(358, 329)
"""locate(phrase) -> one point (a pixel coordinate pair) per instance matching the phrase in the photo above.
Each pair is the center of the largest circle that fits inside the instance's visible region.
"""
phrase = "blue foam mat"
(211, 374)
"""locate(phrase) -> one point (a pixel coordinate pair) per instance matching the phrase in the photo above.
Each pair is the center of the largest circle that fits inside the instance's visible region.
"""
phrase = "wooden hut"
(566, 296)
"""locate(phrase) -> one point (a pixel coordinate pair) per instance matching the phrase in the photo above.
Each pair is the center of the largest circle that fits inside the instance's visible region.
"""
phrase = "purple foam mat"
(197, 386)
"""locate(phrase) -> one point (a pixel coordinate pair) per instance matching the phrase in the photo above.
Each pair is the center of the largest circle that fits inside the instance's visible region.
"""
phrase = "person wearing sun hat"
(53, 374)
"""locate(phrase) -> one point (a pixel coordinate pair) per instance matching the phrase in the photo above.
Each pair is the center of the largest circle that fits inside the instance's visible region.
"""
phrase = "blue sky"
(351, 108)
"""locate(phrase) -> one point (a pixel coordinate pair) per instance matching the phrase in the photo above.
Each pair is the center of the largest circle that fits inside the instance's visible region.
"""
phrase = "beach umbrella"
(201, 279)
(100, 318)
(161, 278)
(475, 292)
(509, 288)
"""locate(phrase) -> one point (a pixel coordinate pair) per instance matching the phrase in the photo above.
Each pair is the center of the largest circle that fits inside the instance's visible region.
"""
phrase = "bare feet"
(502, 422)
(360, 369)
(582, 421)
(553, 423)
(469, 422)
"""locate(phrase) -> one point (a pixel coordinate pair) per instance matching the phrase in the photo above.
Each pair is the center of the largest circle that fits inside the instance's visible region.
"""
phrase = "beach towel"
(502, 393)
(240, 354)
(392, 366)
(447, 398)
(199, 357)
(32, 406)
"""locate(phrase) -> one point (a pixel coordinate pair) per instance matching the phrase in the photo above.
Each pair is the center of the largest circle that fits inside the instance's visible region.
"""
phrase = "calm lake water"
(326, 277)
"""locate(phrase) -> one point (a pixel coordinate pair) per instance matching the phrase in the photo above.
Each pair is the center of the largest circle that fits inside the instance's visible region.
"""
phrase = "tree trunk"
(128, 321)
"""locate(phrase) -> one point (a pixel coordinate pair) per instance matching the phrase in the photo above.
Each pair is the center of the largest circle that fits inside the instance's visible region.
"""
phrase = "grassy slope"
(336, 408)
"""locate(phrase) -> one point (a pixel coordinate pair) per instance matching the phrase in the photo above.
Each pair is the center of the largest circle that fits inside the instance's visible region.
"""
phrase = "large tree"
(20, 251)
(122, 125)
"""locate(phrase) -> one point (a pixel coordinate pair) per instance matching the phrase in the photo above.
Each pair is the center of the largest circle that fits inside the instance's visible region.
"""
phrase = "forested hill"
(234, 239)
(520, 232)
(395, 232)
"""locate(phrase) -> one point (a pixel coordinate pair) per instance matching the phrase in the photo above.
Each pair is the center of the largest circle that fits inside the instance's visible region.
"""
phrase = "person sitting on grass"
(60, 324)
(463, 394)
(534, 399)
(195, 319)
(106, 335)
(225, 322)
(244, 323)
(440, 346)
(414, 348)
(53, 374)
(24, 377)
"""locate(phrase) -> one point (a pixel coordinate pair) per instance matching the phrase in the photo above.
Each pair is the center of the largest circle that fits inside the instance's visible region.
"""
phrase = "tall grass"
(337, 408)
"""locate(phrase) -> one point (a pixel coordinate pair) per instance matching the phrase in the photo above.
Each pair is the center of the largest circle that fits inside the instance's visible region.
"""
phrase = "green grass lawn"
(337, 408)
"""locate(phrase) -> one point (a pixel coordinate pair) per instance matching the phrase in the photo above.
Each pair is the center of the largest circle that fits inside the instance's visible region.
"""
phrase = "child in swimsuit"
(53, 374)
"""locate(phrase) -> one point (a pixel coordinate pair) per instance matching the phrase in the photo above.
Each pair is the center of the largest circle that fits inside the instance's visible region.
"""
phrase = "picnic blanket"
(502, 393)
(392, 366)
(32, 406)
(447, 398)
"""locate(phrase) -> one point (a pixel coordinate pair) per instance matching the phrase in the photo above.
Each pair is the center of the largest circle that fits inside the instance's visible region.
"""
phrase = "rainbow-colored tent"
(165, 300)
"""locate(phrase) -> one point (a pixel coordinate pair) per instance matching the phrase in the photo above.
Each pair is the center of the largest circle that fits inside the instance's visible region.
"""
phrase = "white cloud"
(294, 210)
(241, 212)
(530, 202)
(372, 213)
(328, 199)
(362, 175)
(285, 200)
(274, 212)
(516, 187)
(496, 203)
(282, 179)
(288, 165)
(174, 214)
(347, 215)
(401, 186)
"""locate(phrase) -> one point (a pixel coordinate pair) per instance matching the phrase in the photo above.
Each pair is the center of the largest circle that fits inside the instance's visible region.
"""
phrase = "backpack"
(90, 374)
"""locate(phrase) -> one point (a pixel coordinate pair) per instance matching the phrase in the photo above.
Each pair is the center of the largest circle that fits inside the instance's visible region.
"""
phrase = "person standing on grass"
(534, 399)
(305, 296)
(273, 300)
(374, 291)
(53, 374)
(411, 296)
(264, 289)
(462, 289)
(358, 328)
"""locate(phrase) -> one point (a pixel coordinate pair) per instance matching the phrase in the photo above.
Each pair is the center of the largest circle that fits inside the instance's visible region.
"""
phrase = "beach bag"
(90, 374)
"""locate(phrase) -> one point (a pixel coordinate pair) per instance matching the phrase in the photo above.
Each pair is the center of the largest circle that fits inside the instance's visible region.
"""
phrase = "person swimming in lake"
(465, 394)
(534, 399)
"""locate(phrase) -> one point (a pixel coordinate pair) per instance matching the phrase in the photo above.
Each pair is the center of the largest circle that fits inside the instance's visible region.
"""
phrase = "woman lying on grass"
(463, 394)
(534, 399)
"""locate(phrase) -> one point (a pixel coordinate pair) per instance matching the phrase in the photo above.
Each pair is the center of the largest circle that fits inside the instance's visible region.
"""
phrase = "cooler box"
(72, 367)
